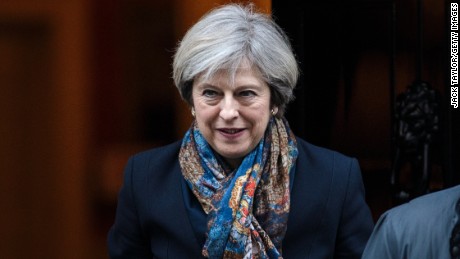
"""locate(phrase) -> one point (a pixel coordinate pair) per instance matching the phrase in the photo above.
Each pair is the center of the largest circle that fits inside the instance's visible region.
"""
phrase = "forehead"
(243, 75)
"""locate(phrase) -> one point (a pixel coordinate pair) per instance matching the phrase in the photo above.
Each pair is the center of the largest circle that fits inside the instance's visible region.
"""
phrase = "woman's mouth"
(231, 132)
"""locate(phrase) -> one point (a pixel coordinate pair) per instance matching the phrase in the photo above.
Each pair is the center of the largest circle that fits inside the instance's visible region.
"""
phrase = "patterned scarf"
(248, 207)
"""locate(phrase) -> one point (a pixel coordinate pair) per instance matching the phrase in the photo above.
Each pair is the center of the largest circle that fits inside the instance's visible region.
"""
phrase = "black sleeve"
(125, 238)
(356, 221)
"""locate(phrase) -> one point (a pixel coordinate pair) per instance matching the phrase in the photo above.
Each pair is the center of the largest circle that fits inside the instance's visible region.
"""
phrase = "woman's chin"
(232, 152)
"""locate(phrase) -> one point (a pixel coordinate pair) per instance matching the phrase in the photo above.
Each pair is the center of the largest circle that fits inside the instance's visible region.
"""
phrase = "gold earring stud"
(274, 111)
(193, 112)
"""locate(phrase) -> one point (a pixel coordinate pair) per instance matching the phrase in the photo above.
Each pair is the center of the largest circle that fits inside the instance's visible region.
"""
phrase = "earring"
(193, 112)
(274, 111)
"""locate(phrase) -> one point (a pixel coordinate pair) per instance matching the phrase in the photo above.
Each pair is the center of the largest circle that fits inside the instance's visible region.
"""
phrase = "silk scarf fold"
(248, 207)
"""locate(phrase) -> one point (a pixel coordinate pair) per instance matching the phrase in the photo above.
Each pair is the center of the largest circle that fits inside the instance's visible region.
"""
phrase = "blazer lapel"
(307, 207)
(187, 245)
(196, 215)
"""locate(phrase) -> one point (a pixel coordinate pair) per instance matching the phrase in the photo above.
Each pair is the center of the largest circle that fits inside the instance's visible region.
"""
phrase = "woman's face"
(232, 117)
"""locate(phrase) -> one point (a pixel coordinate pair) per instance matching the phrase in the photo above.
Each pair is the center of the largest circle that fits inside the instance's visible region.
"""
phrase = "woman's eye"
(247, 93)
(209, 93)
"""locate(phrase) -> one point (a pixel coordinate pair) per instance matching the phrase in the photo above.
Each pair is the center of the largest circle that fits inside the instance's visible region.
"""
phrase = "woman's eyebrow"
(207, 85)
(235, 86)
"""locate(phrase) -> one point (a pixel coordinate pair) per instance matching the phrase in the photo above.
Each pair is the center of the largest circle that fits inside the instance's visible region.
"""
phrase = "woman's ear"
(193, 112)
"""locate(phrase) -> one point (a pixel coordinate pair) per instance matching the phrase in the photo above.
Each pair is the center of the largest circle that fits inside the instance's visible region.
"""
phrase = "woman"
(239, 184)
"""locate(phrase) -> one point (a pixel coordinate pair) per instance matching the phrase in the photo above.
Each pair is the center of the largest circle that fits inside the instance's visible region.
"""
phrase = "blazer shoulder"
(330, 170)
(426, 208)
(315, 153)
(156, 162)
(159, 154)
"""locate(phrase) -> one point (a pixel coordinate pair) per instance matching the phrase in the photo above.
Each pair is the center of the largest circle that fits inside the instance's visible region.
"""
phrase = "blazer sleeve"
(125, 238)
(356, 221)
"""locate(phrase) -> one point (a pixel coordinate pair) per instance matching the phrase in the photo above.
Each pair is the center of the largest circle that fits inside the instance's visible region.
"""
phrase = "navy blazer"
(158, 216)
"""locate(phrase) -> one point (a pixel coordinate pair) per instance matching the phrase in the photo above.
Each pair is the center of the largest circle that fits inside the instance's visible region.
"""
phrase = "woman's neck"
(234, 163)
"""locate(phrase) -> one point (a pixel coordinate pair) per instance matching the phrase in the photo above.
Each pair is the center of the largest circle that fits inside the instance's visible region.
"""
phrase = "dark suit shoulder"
(321, 155)
(159, 153)
(154, 167)
(426, 208)
(420, 228)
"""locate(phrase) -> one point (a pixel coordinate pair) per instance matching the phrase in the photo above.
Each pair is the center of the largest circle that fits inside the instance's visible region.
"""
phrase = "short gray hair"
(224, 38)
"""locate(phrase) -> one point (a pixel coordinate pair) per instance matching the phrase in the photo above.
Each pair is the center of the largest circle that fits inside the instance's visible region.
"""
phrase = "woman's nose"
(229, 108)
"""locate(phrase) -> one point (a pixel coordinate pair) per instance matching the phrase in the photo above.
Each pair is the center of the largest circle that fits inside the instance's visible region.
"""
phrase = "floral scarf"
(248, 207)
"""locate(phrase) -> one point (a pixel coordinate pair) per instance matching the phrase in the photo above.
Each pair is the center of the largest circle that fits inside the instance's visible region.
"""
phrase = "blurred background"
(85, 84)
